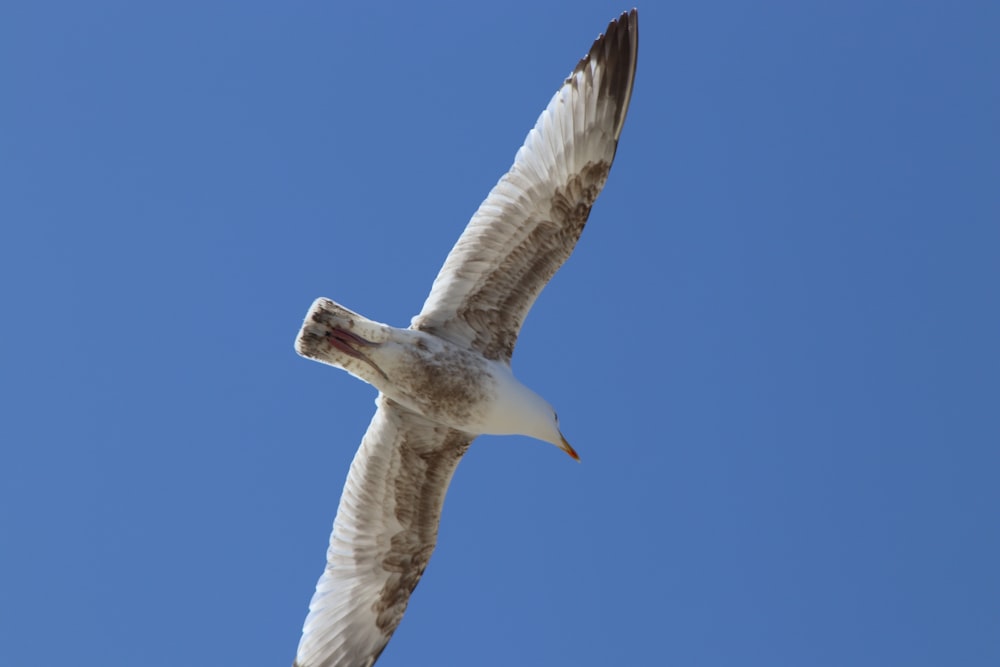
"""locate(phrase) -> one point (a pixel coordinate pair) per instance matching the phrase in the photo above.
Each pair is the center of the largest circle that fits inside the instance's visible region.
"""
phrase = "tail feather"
(335, 335)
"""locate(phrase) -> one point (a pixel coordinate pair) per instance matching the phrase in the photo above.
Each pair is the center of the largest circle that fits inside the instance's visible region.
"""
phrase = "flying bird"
(447, 378)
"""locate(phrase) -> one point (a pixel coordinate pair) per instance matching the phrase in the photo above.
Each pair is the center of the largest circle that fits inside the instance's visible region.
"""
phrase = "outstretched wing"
(531, 220)
(383, 536)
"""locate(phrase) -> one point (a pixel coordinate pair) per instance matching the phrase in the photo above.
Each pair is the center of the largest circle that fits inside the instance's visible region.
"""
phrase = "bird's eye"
(556, 415)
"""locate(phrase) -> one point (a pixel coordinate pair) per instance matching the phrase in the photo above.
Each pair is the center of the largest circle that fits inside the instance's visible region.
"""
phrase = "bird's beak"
(565, 446)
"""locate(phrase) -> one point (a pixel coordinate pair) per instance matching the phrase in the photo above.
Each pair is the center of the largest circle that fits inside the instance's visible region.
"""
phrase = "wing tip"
(616, 50)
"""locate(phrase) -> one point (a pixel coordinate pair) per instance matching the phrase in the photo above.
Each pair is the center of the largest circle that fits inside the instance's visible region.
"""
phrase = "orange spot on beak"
(566, 447)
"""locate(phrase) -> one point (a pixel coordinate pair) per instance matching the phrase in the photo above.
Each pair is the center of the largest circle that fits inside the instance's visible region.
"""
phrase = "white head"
(518, 410)
(555, 436)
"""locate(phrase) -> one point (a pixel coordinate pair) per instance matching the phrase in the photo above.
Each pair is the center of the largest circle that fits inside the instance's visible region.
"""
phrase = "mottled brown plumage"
(447, 378)
(496, 310)
(527, 228)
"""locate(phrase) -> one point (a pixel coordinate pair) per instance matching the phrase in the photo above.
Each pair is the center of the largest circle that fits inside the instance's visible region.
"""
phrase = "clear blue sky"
(775, 348)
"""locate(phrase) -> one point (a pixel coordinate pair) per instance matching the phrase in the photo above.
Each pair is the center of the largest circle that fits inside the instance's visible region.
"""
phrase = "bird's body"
(448, 378)
(449, 384)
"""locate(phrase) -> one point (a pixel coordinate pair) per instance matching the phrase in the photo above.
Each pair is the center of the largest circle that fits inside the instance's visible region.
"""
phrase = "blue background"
(775, 347)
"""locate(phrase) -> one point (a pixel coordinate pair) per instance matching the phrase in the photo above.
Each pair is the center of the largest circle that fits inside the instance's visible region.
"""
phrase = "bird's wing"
(383, 536)
(531, 220)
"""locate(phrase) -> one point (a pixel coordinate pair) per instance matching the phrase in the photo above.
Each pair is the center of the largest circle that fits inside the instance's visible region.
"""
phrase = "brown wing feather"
(529, 224)
(383, 536)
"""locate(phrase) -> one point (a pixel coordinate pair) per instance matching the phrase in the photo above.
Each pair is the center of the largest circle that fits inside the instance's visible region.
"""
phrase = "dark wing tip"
(616, 51)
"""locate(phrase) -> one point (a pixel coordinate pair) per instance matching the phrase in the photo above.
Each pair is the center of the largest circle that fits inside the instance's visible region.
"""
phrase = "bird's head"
(551, 433)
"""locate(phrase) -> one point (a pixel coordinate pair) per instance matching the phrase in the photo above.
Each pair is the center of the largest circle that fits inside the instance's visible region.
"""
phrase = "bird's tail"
(340, 337)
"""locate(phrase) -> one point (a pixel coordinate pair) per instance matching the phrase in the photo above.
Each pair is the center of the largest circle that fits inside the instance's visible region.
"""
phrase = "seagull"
(447, 378)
